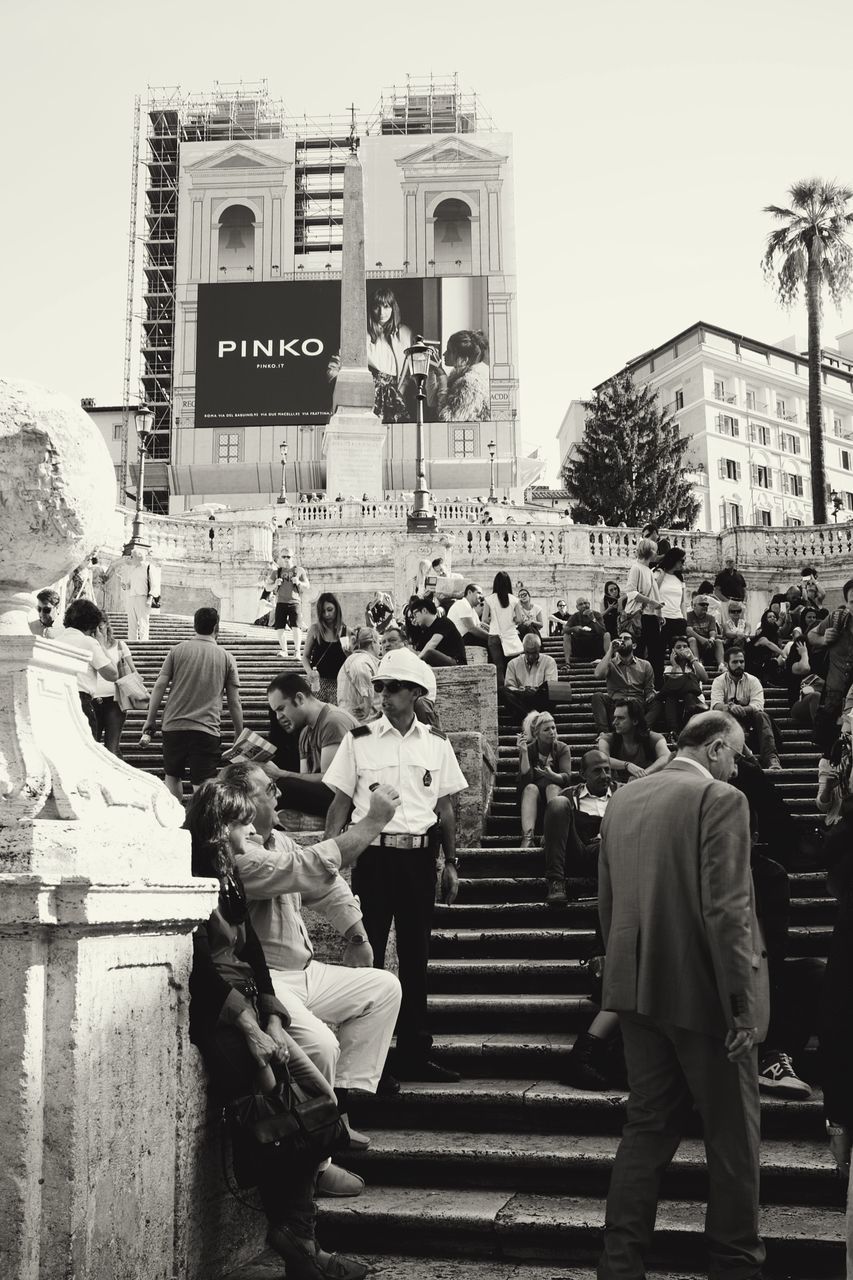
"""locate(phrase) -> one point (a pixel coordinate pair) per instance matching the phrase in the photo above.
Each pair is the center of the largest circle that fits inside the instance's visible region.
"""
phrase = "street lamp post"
(837, 503)
(491, 447)
(422, 518)
(143, 416)
(282, 497)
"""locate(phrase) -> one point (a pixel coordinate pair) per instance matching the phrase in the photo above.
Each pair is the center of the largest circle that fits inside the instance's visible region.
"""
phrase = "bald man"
(572, 824)
(583, 634)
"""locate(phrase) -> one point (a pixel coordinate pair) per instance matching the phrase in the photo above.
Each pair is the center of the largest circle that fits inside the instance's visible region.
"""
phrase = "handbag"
(130, 691)
(287, 1122)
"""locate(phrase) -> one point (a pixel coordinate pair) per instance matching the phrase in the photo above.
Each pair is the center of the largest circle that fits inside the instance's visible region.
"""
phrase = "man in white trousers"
(361, 1002)
(140, 584)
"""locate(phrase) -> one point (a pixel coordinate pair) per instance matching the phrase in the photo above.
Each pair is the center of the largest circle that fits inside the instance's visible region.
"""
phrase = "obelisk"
(354, 439)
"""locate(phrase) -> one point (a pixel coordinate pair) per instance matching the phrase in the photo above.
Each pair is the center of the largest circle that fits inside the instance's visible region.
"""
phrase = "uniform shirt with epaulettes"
(419, 764)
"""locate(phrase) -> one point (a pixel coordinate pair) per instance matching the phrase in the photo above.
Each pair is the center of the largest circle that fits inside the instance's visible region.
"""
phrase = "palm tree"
(810, 250)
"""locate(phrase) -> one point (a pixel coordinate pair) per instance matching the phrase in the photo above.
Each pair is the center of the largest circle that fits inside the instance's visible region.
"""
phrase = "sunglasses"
(390, 686)
(45, 608)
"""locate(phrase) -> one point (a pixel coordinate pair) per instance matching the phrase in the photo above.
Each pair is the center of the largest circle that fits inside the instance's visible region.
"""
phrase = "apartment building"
(743, 404)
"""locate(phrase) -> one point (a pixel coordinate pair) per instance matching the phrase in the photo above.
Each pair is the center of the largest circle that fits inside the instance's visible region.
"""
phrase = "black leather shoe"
(388, 1085)
(427, 1071)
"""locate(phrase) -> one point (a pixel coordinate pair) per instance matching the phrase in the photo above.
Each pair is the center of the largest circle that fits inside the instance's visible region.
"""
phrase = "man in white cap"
(395, 876)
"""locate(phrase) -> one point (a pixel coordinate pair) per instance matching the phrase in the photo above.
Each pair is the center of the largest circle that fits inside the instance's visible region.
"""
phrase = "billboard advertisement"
(267, 354)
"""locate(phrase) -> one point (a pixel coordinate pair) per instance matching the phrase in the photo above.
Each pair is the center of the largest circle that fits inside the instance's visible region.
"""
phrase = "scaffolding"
(432, 104)
(245, 111)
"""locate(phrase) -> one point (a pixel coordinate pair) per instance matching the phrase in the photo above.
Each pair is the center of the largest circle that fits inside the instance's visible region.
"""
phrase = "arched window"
(452, 237)
(236, 243)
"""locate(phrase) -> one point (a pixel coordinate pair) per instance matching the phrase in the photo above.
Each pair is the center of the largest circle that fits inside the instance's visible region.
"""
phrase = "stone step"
(534, 1010)
(537, 1104)
(521, 1054)
(418, 1267)
(515, 976)
(505, 936)
(801, 1171)
(801, 1241)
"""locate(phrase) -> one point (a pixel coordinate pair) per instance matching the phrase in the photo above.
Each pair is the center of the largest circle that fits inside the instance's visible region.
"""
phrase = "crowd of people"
(686, 759)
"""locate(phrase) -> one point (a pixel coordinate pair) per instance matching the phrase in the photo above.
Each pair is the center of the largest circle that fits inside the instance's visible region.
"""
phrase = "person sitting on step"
(703, 631)
(583, 634)
(627, 677)
(528, 676)
(572, 825)
(361, 1003)
(742, 695)
(321, 729)
(634, 749)
(544, 769)
(681, 691)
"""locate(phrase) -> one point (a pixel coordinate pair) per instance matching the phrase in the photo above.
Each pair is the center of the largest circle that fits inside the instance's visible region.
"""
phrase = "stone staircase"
(507, 1167)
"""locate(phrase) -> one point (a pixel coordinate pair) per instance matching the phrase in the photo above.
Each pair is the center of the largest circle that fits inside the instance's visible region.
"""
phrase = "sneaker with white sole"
(777, 1076)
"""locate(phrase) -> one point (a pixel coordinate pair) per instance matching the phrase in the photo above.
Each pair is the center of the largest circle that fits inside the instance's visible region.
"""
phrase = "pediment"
(451, 151)
(237, 156)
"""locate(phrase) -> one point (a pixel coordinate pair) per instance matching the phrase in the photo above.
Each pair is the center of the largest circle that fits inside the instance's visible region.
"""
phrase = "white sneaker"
(777, 1076)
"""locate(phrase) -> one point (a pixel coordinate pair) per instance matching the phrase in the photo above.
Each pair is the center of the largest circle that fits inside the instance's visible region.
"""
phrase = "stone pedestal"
(353, 444)
(97, 904)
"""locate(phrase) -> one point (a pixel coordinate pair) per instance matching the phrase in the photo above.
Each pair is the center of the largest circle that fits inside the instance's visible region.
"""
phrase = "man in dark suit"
(687, 973)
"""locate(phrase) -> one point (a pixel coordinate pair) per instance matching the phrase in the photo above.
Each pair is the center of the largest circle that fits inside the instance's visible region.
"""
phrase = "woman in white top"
(670, 583)
(355, 678)
(109, 716)
(642, 590)
(81, 621)
(502, 614)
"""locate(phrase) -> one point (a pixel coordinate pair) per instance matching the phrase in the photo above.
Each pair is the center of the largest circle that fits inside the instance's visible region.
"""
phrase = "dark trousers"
(109, 719)
(568, 849)
(399, 885)
(305, 797)
(434, 658)
(651, 646)
(496, 655)
(758, 728)
(473, 641)
(285, 1183)
(669, 1069)
(524, 700)
(87, 702)
(678, 708)
(672, 629)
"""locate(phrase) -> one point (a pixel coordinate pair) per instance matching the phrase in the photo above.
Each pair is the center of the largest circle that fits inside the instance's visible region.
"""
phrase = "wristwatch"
(452, 862)
(358, 939)
(835, 1130)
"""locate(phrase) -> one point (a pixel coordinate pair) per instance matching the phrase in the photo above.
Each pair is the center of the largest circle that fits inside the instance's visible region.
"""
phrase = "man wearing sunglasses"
(395, 876)
(47, 624)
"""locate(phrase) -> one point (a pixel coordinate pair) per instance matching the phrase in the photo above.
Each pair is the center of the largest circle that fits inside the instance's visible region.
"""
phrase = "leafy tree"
(809, 251)
(629, 464)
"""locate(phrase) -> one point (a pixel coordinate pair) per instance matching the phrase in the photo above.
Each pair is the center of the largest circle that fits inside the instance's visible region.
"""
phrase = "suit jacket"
(677, 905)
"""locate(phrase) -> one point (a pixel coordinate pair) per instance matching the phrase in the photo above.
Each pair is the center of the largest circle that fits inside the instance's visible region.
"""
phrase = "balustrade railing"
(372, 539)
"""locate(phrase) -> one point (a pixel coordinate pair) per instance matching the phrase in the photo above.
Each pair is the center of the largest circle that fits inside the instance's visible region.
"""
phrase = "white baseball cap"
(402, 664)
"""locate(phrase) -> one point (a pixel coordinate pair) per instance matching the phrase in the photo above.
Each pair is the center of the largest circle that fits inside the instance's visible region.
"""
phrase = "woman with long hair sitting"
(633, 747)
(239, 1027)
(544, 769)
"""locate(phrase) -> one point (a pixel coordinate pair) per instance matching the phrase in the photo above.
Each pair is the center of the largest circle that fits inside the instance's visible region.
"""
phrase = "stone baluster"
(97, 905)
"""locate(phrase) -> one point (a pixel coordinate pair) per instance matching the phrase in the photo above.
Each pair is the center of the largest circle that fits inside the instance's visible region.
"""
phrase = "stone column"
(97, 905)
(354, 439)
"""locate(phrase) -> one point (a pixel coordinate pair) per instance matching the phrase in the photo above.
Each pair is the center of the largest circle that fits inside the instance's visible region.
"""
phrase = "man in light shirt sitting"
(742, 695)
(464, 616)
(571, 839)
(528, 675)
(362, 1003)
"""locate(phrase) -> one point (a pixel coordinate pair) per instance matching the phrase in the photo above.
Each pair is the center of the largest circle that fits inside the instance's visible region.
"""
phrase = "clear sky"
(648, 137)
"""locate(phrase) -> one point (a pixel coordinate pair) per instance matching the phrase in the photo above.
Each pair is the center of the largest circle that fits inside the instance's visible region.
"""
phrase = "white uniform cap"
(402, 664)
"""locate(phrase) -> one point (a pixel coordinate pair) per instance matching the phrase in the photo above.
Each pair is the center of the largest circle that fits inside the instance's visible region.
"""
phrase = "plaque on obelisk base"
(354, 438)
